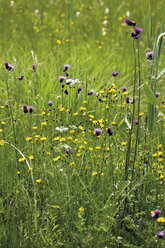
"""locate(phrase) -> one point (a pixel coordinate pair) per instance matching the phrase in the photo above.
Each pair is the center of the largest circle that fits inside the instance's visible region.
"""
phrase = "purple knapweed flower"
(50, 103)
(8, 66)
(139, 221)
(25, 108)
(127, 99)
(31, 109)
(62, 78)
(91, 92)
(124, 88)
(157, 93)
(136, 122)
(114, 74)
(79, 89)
(149, 55)
(20, 77)
(109, 131)
(156, 214)
(128, 22)
(138, 30)
(66, 92)
(133, 100)
(98, 131)
(66, 66)
(68, 151)
(135, 34)
(34, 67)
(161, 234)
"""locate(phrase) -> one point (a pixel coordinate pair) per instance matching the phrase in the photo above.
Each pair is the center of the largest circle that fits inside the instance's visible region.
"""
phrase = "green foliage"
(94, 193)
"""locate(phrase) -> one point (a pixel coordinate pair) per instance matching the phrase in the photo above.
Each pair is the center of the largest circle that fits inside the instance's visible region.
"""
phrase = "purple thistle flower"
(136, 122)
(66, 66)
(34, 67)
(149, 55)
(161, 234)
(127, 99)
(68, 150)
(25, 108)
(156, 214)
(31, 109)
(128, 22)
(21, 77)
(114, 74)
(139, 221)
(91, 92)
(157, 93)
(50, 103)
(8, 66)
(62, 78)
(109, 131)
(138, 30)
(98, 131)
(79, 89)
(133, 100)
(66, 92)
(124, 88)
(135, 34)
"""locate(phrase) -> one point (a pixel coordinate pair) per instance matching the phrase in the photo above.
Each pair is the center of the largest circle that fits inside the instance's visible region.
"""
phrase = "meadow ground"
(82, 116)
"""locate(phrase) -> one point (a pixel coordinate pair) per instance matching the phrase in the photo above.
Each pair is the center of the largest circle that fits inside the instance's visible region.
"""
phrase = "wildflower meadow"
(82, 118)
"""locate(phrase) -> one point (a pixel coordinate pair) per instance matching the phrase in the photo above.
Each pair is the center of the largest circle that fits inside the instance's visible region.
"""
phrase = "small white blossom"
(106, 11)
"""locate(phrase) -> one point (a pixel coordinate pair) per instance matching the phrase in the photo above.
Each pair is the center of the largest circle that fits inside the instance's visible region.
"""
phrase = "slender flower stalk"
(132, 120)
(137, 133)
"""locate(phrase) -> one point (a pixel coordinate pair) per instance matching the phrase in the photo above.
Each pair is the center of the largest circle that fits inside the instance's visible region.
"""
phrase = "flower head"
(114, 74)
(8, 66)
(91, 92)
(20, 77)
(124, 88)
(161, 234)
(149, 55)
(155, 213)
(34, 67)
(31, 109)
(109, 131)
(79, 89)
(127, 99)
(68, 150)
(50, 103)
(61, 78)
(128, 22)
(66, 66)
(98, 131)
(157, 93)
(25, 108)
(136, 122)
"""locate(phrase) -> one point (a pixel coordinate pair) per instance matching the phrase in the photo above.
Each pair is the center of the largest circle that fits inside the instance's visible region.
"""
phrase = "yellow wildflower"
(38, 180)
(94, 173)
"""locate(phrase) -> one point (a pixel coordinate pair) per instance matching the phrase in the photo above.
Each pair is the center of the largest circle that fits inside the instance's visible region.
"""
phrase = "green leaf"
(149, 93)
(158, 48)
(161, 73)
(127, 122)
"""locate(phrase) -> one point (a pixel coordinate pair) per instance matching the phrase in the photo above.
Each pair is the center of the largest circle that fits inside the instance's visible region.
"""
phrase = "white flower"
(73, 127)
(77, 13)
(106, 11)
(105, 22)
(128, 14)
(12, 3)
(61, 129)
